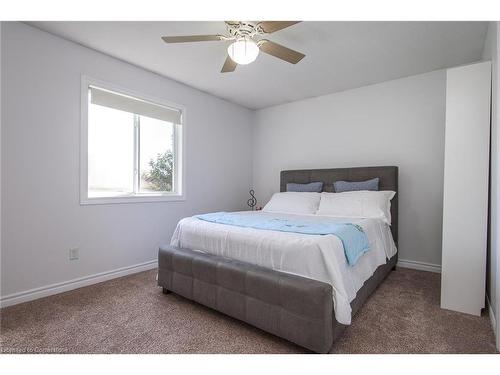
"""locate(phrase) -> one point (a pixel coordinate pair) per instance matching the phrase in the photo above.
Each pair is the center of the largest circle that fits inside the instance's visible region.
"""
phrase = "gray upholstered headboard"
(388, 181)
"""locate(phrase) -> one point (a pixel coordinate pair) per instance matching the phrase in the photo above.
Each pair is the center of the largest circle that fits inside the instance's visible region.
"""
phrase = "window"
(131, 147)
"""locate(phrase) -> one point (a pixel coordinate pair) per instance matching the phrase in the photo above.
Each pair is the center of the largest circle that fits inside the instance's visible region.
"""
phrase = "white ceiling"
(339, 55)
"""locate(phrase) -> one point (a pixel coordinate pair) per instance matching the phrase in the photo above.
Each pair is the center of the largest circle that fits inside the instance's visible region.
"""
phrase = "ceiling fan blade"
(272, 26)
(192, 38)
(229, 65)
(279, 51)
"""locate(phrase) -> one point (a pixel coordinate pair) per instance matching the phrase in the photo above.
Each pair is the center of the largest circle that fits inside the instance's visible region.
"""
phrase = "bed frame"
(295, 308)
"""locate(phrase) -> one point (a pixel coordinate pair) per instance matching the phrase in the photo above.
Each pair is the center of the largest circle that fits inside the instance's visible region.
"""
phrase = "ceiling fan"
(246, 42)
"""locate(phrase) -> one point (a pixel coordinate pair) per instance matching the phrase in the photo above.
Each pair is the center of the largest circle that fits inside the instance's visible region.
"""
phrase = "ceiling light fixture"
(243, 51)
(244, 48)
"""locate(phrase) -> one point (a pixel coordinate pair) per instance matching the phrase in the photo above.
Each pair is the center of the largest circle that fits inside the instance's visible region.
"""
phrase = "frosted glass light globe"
(243, 51)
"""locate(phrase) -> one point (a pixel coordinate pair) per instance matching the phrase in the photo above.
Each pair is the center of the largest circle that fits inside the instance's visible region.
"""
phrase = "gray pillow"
(341, 186)
(312, 187)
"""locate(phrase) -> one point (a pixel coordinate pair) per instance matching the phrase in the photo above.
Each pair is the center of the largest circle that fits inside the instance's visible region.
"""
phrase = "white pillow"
(293, 202)
(361, 204)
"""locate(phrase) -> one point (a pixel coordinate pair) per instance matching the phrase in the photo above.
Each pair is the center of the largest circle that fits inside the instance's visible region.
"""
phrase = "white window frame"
(179, 146)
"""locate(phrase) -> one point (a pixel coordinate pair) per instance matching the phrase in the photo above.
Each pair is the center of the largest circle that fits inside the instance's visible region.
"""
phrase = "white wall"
(490, 52)
(41, 215)
(399, 122)
(0, 152)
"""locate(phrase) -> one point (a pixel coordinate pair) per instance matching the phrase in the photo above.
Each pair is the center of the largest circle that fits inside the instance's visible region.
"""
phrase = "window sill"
(133, 199)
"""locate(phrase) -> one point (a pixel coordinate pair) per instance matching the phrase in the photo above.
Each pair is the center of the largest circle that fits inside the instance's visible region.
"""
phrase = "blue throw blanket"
(352, 236)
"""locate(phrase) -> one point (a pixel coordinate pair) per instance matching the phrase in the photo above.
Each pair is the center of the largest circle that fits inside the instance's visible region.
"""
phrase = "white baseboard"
(492, 315)
(48, 290)
(421, 266)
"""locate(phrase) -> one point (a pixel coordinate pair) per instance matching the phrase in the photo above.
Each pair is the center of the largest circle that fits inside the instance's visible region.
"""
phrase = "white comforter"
(314, 256)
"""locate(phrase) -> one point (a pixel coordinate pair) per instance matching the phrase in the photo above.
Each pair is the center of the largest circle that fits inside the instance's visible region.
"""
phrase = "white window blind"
(128, 104)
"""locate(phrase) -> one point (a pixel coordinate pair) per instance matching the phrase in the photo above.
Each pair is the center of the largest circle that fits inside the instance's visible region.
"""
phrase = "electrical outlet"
(74, 253)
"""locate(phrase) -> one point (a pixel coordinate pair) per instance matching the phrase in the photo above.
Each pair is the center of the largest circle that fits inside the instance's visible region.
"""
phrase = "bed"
(292, 285)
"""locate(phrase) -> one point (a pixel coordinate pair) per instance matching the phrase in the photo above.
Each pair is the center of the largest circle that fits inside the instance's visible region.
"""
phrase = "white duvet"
(319, 257)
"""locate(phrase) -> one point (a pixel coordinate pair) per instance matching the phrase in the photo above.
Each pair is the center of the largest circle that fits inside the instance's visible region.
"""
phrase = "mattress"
(319, 257)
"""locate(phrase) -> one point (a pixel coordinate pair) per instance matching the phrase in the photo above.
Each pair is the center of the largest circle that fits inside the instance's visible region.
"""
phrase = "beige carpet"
(131, 315)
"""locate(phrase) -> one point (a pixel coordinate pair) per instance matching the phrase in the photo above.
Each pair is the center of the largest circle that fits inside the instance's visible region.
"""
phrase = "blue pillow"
(341, 186)
(312, 187)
